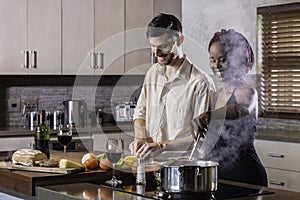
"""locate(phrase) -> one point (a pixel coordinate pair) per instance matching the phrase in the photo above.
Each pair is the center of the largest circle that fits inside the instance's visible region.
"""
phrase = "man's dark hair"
(164, 23)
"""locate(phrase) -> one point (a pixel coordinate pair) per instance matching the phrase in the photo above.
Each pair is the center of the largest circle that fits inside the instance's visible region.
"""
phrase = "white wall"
(202, 18)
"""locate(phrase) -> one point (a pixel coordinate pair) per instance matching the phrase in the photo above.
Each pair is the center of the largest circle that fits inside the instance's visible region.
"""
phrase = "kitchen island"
(86, 185)
(92, 191)
(23, 183)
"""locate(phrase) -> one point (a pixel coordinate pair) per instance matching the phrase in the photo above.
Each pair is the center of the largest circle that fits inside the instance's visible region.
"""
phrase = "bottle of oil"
(42, 136)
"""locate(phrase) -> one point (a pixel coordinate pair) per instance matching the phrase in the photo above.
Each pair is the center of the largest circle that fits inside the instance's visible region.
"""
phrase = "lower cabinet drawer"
(294, 181)
(277, 178)
(279, 155)
(282, 179)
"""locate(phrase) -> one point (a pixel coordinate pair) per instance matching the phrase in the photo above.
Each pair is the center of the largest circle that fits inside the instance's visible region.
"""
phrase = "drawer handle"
(276, 183)
(33, 59)
(274, 155)
(26, 59)
(93, 61)
(100, 60)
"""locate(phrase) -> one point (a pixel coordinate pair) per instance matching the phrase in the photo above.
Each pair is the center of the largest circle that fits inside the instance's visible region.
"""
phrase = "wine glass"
(114, 150)
(64, 137)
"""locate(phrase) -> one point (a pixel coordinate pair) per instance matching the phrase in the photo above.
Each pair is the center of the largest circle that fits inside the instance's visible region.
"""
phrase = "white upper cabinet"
(77, 37)
(44, 36)
(93, 38)
(109, 37)
(30, 37)
(173, 7)
(13, 36)
(137, 48)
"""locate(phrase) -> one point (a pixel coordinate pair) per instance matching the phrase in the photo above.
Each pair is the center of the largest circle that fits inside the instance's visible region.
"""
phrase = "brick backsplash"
(50, 97)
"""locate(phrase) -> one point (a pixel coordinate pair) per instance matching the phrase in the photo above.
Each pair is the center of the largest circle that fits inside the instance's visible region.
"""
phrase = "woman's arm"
(246, 102)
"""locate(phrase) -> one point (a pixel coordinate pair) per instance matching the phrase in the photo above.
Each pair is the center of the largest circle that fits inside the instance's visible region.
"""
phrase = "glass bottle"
(42, 136)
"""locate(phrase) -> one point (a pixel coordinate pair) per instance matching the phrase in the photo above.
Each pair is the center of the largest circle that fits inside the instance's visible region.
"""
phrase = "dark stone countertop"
(23, 132)
(262, 134)
(91, 191)
(278, 135)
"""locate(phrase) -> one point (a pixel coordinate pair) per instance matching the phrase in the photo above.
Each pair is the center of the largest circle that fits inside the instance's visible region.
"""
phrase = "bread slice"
(27, 157)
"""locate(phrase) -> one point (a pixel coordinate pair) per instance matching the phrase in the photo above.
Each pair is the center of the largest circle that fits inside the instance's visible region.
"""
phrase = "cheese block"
(65, 163)
(28, 157)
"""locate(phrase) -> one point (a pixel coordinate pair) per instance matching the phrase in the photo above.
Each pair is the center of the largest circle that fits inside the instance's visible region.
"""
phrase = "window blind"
(279, 60)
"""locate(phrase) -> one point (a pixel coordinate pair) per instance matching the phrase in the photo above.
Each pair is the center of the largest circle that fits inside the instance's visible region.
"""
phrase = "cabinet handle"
(100, 60)
(26, 59)
(280, 183)
(275, 155)
(34, 59)
(92, 66)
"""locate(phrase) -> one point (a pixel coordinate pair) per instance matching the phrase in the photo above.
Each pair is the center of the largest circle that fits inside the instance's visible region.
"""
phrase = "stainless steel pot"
(75, 113)
(186, 176)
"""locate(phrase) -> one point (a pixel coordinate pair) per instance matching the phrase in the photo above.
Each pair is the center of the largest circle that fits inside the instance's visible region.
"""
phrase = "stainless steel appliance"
(75, 113)
(124, 112)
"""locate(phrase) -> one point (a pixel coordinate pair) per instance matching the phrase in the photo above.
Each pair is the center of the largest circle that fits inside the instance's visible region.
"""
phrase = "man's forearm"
(140, 130)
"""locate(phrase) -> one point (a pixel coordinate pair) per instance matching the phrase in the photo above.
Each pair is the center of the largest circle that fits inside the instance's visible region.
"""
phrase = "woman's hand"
(202, 121)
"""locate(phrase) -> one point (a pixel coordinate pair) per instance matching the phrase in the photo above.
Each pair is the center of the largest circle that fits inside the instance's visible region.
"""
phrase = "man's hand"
(136, 144)
(147, 148)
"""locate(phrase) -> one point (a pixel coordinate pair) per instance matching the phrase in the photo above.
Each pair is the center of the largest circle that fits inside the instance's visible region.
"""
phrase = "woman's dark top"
(235, 152)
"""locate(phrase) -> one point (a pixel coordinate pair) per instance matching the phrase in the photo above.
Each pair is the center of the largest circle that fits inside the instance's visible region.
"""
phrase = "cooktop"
(224, 191)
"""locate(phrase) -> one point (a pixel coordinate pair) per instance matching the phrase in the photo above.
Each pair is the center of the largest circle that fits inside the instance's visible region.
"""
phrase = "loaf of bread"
(27, 157)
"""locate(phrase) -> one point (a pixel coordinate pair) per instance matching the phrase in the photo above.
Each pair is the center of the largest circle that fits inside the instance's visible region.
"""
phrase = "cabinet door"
(173, 7)
(109, 36)
(44, 35)
(78, 36)
(137, 49)
(13, 36)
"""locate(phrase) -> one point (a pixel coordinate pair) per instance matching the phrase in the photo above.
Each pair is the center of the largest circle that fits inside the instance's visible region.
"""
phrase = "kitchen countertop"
(23, 132)
(24, 182)
(31, 185)
(92, 191)
(278, 135)
(264, 134)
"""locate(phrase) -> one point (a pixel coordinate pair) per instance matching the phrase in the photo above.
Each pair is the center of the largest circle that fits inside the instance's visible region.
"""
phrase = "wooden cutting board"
(42, 169)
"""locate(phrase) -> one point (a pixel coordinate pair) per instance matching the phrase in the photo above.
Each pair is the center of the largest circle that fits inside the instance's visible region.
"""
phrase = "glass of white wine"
(114, 150)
